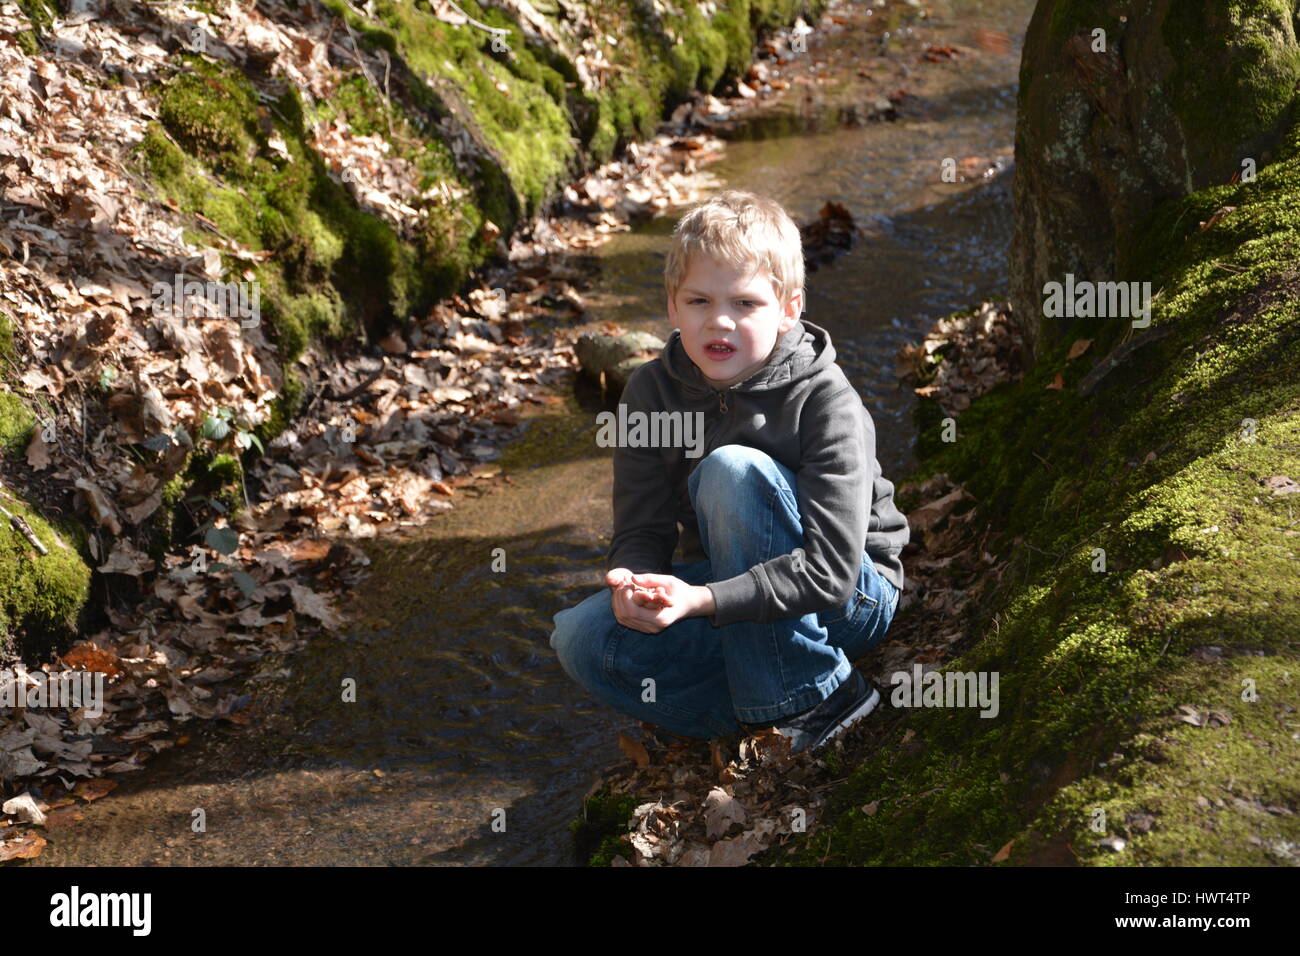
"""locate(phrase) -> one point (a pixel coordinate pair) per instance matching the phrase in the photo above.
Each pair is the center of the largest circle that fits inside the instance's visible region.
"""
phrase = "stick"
(22, 527)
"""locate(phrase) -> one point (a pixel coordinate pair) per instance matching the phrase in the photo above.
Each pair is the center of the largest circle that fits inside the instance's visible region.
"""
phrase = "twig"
(22, 527)
(499, 31)
(356, 55)
(388, 101)
(365, 384)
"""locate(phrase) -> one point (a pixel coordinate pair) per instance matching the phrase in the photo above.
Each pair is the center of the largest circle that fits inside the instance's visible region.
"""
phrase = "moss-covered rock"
(1125, 106)
(598, 830)
(16, 421)
(1146, 630)
(41, 596)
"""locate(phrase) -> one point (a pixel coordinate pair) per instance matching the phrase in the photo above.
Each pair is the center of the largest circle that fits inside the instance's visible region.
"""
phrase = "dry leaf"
(1078, 348)
(721, 810)
(94, 789)
(1057, 383)
(26, 847)
(38, 452)
(634, 749)
(1003, 853)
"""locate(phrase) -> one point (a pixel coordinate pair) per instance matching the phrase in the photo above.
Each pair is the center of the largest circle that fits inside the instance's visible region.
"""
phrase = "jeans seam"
(792, 704)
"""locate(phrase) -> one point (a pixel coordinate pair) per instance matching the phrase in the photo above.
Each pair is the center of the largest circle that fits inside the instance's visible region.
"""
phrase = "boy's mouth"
(719, 350)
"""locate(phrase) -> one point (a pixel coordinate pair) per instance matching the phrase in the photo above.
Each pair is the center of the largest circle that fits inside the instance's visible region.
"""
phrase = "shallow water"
(468, 743)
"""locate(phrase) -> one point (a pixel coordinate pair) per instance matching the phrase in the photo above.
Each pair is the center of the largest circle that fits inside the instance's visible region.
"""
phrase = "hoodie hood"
(803, 351)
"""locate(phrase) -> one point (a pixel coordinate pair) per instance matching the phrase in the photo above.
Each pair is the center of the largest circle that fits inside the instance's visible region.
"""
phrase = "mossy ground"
(1198, 603)
(40, 595)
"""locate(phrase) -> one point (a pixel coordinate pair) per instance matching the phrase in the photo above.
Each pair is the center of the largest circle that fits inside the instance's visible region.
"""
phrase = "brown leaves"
(964, 356)
(92, 658)
(1057, 383)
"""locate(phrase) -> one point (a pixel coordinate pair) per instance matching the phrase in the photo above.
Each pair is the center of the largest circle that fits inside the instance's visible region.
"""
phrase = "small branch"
(22, 527)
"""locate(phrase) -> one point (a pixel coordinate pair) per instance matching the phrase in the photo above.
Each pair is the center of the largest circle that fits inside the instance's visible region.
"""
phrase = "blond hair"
(742, 229)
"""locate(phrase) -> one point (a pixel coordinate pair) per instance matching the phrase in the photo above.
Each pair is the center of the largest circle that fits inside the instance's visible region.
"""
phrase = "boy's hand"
(651, 602)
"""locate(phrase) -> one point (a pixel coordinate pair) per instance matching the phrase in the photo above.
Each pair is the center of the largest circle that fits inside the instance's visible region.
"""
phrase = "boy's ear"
(793, 309)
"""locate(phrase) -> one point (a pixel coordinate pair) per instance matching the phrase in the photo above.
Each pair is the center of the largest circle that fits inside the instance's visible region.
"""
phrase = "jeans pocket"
(862, 604)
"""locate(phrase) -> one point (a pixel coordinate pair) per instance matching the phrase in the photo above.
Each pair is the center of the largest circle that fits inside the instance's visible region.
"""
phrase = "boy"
(789, 532)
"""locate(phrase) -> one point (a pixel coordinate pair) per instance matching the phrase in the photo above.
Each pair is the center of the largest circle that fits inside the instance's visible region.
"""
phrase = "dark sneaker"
(851, 701)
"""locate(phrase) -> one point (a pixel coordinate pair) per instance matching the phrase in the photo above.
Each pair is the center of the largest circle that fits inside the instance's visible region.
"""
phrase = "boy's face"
(717, 303)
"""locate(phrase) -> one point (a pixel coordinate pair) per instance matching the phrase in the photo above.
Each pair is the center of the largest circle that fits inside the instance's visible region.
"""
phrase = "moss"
(597, 831)
(1198, 591)
(40, 13)
(7, 353)
(16, 421)
(1257, 72)
(284, 407)
(41, 596)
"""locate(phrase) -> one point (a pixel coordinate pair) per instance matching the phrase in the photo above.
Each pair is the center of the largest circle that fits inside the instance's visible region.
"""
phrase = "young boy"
(789, 533)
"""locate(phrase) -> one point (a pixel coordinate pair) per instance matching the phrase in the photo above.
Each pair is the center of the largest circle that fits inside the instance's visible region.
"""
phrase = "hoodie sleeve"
(645, 523)
(834, 495)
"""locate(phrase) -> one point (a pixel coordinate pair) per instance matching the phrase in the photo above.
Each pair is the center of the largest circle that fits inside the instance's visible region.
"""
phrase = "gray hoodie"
(802, 411)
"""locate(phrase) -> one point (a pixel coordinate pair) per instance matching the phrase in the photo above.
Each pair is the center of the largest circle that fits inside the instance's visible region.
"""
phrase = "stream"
(468, 744)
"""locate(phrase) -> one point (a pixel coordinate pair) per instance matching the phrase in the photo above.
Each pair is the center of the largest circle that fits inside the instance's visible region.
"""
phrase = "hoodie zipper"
(722, 402)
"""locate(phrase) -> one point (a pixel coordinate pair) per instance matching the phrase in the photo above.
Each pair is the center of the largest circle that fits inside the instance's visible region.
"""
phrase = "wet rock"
(616, 356)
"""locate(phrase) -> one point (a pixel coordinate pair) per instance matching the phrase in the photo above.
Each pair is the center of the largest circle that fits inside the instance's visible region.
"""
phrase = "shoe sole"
(867, 705)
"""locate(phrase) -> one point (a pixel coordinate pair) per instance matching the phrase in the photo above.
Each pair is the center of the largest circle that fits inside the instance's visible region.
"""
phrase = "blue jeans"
(697, 680)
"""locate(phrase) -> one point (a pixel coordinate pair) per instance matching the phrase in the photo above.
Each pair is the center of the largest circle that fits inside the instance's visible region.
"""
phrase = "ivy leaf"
(216, 505)
(245, 582)
(215, 428)
(219, 566)
(158, 442)
(256, 441)
(225, 540)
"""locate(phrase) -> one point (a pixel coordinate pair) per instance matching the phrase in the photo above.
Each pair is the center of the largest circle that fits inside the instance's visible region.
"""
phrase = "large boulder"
(1178, 97)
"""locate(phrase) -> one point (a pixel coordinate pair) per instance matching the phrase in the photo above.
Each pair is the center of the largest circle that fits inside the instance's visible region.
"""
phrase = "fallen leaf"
(94, 789)
(736, 851)
(1003, 853)
(1078, 348)
(24, 809)
(634, 749)
(26, 847)
(38, 451)
(1056, 383)
(100, 506)
(721, 810)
